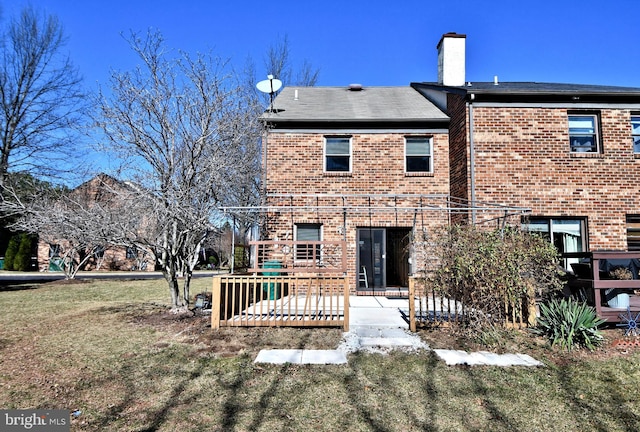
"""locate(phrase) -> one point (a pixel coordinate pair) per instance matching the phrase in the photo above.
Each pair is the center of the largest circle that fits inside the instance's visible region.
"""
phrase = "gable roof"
(340, 104)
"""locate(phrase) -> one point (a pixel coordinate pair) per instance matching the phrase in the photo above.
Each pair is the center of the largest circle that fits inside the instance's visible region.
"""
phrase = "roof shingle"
(341, 104)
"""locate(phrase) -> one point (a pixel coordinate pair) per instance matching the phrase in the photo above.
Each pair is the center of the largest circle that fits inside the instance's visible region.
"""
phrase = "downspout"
(472, 161)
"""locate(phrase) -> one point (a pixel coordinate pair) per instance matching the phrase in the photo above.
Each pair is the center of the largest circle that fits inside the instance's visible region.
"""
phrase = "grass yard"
(113, 351)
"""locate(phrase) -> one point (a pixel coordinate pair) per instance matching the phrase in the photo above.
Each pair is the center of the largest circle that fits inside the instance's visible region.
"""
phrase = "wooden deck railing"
(299, 256)
(594, 288)
(293, 301)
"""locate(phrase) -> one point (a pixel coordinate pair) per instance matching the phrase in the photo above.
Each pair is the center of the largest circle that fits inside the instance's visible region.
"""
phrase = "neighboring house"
(372, 166)
(568, 152)
(98, 191)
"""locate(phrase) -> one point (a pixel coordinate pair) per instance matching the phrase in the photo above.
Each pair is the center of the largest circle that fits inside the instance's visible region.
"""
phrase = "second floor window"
(337, 153)
(583, 133)
(635, 133)
(418, 154)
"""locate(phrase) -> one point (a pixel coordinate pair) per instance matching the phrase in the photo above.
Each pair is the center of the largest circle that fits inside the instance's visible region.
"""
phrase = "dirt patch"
(195, 328)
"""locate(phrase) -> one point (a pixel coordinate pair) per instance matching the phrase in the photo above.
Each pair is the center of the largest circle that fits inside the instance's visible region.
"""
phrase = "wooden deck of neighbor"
(596, 288)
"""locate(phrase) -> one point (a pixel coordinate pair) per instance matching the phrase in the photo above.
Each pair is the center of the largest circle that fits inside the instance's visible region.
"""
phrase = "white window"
(418, 154)
(308, 232)
(635, 133)
(583, 133)
(337, 154)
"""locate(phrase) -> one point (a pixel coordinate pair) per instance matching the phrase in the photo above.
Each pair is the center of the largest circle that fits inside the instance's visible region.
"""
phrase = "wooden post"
(412, 304)
(346, 303)
(215, 303)
(531, 300)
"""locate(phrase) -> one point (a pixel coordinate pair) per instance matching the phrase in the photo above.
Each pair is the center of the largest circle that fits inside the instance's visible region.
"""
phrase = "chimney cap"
(355, 87)
(450, 35)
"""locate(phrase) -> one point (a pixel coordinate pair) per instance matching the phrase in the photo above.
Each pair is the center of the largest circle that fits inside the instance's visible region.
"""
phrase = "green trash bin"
(56, 264)
(1, 263)
(272, 289)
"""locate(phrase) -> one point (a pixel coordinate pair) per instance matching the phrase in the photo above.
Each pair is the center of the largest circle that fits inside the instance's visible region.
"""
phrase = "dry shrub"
(495, 274)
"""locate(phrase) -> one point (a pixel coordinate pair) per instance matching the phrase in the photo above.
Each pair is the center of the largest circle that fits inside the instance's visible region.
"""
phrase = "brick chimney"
(451, 59)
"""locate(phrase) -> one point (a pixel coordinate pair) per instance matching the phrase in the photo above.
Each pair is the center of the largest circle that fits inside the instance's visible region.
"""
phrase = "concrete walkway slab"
(483, 358)
(283, 356)
(280, 356)
(363, 302)
(323, 357)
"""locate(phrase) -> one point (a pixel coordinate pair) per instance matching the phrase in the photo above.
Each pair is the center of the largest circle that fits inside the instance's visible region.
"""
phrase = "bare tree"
(40, 96)
(186, 134)
(77, 223)
(279, 64)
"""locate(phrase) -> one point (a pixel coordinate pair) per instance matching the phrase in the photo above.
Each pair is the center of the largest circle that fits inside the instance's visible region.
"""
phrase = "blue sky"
(369, 42)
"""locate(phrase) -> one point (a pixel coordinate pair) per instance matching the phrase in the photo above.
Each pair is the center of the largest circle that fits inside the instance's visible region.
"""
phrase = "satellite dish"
(269, 86)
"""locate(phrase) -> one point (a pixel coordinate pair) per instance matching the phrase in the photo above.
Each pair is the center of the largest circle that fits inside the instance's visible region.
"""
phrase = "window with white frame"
(418, 154)
(308, 232)
(583, 133)
(337, 154)
(635, 132)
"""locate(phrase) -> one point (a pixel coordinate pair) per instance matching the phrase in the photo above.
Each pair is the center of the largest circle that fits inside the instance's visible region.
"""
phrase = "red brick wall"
(523, 159)
(458, 151)
(295, 166)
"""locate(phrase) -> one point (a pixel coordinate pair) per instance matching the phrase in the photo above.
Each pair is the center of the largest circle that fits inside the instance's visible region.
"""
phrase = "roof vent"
(355, 87)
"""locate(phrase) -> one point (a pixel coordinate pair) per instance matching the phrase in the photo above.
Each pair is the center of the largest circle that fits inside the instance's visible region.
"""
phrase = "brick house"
(100, 189)
(357, 163)
(340, 151)
(568, 152)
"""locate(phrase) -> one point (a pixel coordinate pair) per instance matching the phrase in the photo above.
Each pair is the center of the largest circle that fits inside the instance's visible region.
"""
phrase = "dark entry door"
(397, 251)
(383, 256)
(371, 258)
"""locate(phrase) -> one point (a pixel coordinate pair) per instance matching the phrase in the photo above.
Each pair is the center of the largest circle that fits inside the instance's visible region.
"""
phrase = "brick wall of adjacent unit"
(459, 149)
(295, 166)
(523, 159)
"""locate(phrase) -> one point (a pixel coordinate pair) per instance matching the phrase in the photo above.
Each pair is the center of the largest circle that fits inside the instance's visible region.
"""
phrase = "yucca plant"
(569, 323)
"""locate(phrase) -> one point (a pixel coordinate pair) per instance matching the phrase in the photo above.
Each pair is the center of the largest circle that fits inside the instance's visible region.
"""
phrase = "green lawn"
(112, 350)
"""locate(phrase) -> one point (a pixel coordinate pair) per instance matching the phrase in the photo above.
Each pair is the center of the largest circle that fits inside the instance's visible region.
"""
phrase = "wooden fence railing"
(598, 288)
(280, 300)
(426, 308)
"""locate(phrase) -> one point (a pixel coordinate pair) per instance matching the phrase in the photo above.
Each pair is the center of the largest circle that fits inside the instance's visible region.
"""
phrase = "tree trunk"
(186, 287)
(171, 276)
